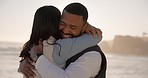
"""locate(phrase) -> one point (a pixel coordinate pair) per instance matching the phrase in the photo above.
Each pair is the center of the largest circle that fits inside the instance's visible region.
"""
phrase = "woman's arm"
(69, 47)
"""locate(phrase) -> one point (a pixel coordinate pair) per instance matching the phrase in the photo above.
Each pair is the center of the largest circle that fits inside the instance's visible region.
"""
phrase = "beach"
(119, 66)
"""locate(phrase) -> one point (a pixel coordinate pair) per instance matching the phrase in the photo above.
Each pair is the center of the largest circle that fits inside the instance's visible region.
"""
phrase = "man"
(88, 63)
(85, 65)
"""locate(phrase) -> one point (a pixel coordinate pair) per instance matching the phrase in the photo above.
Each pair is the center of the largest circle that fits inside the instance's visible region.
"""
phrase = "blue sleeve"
(66, 48)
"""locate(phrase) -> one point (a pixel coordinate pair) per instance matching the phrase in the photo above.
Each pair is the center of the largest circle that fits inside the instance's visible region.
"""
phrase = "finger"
(29, 65)
(26, 76)
(99, 32)
(31, 73)
(32, 67)
(29, 76)
(93, 31)
(30, 60)
(25, 68)
(28, 72)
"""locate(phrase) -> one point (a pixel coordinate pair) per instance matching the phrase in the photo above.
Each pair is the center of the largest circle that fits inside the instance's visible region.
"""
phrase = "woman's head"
(45, 24)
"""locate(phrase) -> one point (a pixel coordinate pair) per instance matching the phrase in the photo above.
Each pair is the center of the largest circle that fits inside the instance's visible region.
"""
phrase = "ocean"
(119, 66)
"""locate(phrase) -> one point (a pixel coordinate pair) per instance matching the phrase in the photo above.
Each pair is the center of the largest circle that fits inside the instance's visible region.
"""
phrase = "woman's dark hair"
(45, 24)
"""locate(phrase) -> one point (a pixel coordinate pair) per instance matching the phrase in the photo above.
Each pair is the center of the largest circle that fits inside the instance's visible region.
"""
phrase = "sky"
(113, 17)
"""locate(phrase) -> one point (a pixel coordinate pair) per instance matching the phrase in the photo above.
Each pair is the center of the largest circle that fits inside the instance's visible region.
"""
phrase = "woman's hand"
(92, 30)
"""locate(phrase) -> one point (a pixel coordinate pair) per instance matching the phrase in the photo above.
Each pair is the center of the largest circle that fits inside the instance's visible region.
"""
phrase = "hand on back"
(27, 68)
(92, 30)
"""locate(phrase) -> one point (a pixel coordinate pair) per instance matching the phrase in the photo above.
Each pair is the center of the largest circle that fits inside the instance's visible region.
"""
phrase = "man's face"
(71, 25)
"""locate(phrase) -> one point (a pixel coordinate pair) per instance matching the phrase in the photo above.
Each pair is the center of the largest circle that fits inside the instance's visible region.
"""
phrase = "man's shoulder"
(90, 52)
(93, 48)
(90, 49)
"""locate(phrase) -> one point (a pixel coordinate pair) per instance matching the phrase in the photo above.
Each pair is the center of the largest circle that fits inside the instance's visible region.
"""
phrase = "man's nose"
(66, 29)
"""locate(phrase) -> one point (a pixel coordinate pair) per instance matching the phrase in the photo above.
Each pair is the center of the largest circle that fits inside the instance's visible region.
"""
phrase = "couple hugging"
(63, 46)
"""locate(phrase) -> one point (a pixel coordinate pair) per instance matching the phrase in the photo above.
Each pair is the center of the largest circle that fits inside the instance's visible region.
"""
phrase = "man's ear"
(85, 27)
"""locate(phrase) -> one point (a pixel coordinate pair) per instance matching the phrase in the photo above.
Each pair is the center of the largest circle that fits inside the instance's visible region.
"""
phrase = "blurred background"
(124, 24)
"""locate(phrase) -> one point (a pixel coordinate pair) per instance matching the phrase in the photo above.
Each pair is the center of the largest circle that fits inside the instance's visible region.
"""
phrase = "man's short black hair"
(77, 9)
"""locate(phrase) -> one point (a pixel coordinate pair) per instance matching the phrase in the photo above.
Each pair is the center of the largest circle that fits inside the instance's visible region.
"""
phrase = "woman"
(45, 31)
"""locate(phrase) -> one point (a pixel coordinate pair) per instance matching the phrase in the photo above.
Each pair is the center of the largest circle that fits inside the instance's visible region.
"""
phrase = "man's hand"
(26, 68)
(92, 30)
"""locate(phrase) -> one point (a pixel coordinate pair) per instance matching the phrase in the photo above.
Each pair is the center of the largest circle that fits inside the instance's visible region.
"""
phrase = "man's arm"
(84, 67)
